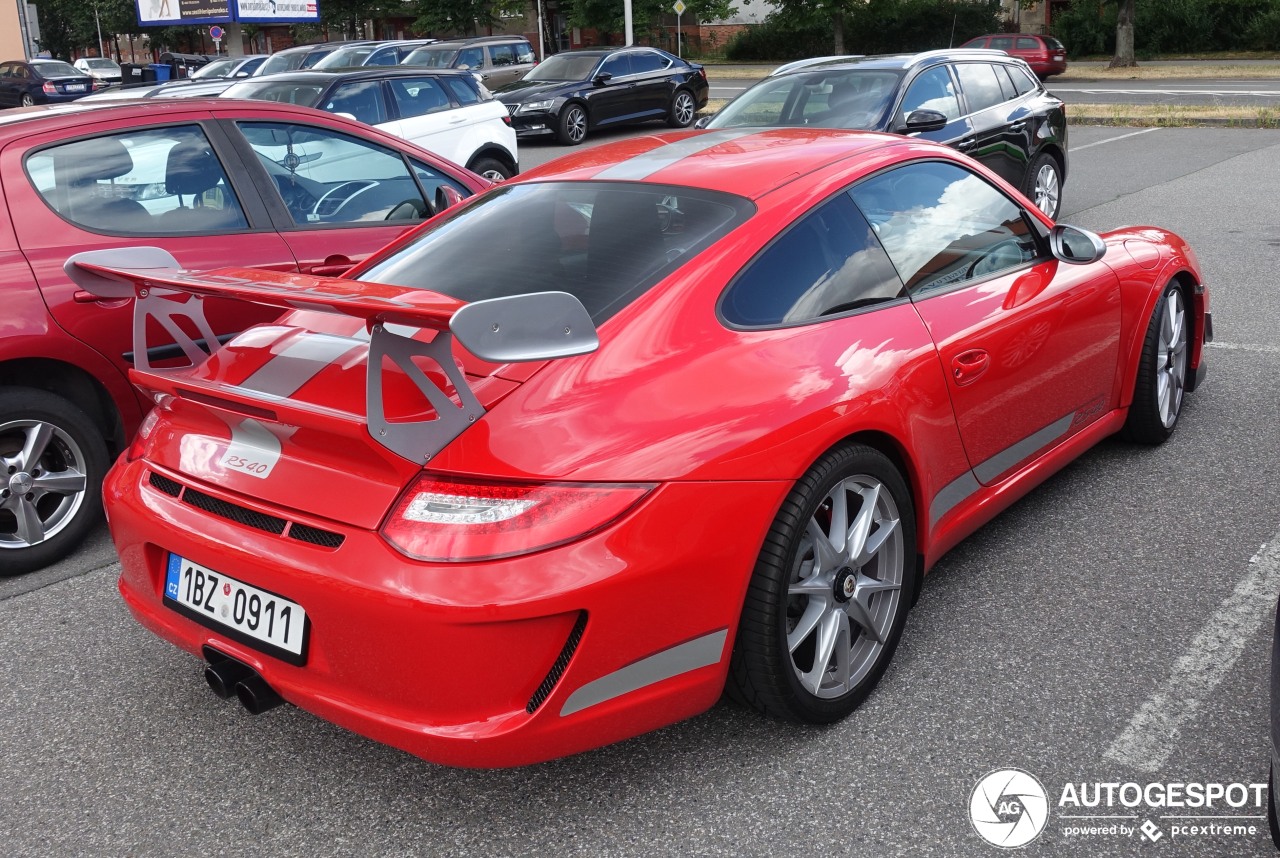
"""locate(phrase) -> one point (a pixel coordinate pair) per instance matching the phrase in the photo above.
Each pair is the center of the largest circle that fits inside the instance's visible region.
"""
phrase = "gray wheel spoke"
(856, 542)
(30, 527)
(826, 556)
(38, 437)
(61, 482)
(813, 613)
(828, 636)
(839, 519)
(843, 656)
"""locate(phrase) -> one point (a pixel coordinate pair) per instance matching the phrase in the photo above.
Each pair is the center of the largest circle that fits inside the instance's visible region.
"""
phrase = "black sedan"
(24, 83)
(984, 103)
(574, 92)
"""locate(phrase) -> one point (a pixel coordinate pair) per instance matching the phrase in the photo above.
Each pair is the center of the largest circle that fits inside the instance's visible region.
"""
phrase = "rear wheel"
(27, 100)
(491, 169)
(52, 461)
(683, 109)
(572, 127)
(829, 595)
(1162, 372)
(1044, 184)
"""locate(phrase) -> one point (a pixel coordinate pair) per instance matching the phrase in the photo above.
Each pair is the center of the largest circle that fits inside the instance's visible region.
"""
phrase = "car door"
(935, 89)
(8, 85)
(340, 197)
(998, 130)
(1030, 345)
(654, 83)
(427, 116)
(614, 100)
(176, 186)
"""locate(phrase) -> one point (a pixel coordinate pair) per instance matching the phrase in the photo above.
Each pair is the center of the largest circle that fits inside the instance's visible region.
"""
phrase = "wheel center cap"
(845, 584)
(21, 483)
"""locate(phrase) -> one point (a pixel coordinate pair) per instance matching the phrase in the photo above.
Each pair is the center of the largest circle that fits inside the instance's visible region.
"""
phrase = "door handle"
(333, 266)
(966, 145)
(967, 366)
(1017, 126)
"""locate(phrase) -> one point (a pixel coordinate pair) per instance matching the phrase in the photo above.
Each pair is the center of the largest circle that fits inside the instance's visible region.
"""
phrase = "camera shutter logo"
(1009, 808)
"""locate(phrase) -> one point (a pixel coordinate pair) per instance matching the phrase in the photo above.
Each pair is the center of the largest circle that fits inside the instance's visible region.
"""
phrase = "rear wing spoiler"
(533, 327)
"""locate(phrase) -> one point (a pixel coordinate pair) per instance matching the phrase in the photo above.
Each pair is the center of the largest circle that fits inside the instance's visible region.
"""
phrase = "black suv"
(984, 103)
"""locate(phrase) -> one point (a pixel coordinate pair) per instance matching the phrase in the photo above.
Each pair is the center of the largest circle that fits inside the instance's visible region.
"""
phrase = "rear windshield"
(306, 95)
(1054, 44)
(344, 57)
(605, 242)
(432, 58)
(57, 69)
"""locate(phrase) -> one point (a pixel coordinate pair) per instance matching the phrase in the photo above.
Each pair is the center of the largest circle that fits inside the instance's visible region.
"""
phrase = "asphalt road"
(1112, 627)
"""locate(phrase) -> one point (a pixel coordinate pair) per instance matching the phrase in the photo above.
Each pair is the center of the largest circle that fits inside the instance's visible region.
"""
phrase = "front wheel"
(682, 110)
(491, 169)
(52, 461)
(572, 127)
(1043, 185)
(1162, 372)
(830, 592)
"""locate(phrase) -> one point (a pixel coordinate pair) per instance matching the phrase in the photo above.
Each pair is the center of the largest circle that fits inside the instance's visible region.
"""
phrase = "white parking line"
(1151, 733)
(1112, 139)
(1244, 347)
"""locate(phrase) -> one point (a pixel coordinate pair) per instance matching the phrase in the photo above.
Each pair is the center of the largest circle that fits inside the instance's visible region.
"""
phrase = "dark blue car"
(24, 83)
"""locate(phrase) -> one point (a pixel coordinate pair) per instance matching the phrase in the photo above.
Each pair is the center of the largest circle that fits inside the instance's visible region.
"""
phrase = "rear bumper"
(489, 664)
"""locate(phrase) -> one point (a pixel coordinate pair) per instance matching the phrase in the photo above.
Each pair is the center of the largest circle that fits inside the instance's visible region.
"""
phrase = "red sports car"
(685, 413)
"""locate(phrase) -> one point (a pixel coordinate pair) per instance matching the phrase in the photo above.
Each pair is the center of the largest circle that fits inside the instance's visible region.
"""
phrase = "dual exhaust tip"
(230, 678)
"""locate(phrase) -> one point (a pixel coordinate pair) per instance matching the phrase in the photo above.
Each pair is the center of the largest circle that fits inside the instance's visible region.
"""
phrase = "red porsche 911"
(683, 414)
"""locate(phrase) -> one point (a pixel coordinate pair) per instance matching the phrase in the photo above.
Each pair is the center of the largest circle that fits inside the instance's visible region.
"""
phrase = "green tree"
(463, 17)
(606, 16)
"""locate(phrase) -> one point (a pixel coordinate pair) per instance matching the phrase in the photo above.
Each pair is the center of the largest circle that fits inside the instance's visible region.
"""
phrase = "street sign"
(216, 33)
(679, 7)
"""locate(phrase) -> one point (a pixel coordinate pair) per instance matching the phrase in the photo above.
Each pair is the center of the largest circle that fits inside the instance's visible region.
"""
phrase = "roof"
(19, 121)
(897, 61)
(324, 77)
(749, 162)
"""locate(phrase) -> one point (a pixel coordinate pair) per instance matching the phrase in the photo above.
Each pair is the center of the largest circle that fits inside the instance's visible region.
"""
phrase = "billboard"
(168, 13)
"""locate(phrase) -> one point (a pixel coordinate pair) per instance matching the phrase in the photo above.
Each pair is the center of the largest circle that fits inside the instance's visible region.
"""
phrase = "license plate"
(75, 87)
(253, 616)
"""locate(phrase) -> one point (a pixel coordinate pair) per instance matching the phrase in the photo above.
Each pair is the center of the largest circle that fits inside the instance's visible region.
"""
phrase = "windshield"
(605, 242)
(216, 68)
(101, 64)
(286, 92)
(281, 62)
(57, 69)
(344, 57)
(847, 98)
(565, 67)
(433, 58)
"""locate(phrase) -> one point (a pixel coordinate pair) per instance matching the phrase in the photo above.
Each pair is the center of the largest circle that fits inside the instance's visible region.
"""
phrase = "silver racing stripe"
(690, 655)
(297, 363)
(952, 493)
(645, 165)
(987, 471)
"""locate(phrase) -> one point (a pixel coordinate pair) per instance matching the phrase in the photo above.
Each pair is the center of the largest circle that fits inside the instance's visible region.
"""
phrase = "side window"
(152, 182)
(502, 55)
(1026, 43)
(1002, 43)
(932, 90)
(386, 57)
(464, 92)
(980, 84)
(363, 100)
(1022, 81)
(942, 225)
(647, 61)
(418, 96)
(618, 65)
(828, 263)
(524, 53)
(434, 183)
(470, 58)
(326, 177)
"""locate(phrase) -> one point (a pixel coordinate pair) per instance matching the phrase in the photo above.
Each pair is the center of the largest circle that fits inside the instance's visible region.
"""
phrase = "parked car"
(705, 407)
(372, 54)
(285, 188)
(302, 56)
(105, 70)
(1044, 54)
(574, 92)
(499, 60)
(187, 87)
(27, 82)
(444, 111)
(230, 67)
(983, 103)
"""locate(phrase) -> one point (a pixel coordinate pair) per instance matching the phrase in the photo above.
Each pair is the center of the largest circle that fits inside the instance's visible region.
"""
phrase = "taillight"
(460, 520)
(49, 88)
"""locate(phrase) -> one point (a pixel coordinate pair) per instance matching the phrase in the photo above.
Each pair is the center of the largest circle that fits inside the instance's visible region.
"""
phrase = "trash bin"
(147, 73)
(162, 71)
(128, 74)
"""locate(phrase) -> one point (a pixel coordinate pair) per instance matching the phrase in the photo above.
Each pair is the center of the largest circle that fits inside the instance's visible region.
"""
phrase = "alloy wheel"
(42, 482)
(1171, 363)
(1047, 190)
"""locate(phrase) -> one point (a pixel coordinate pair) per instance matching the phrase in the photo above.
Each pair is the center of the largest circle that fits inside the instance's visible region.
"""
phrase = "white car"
(446, 112)
(100, 68)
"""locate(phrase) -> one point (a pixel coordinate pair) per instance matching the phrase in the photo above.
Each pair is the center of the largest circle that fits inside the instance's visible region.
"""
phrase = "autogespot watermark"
(1010, 808)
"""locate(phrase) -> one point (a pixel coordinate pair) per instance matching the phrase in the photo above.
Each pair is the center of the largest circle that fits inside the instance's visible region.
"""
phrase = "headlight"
(536, 106)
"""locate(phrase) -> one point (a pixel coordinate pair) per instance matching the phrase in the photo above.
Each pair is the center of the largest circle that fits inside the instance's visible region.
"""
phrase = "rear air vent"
(243, 515)
(557, 670)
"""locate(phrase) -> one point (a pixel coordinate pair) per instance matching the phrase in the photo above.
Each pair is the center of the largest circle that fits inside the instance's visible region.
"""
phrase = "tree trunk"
(838, 27)
(1124, 36)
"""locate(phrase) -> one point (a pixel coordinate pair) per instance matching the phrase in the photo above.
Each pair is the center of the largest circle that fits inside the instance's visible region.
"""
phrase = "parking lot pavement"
(1112, 627)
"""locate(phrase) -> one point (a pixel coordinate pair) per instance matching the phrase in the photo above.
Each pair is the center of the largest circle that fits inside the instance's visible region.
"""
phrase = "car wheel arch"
(1135, 335)
(497, 153)
(74, 384)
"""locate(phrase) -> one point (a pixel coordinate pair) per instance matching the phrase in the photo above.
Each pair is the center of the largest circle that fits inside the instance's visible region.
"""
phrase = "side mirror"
(924, 120)
(1076, 246)
(702, 122)
(602, 78)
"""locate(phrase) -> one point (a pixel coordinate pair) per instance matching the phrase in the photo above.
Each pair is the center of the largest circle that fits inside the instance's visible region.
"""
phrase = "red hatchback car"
(1044, 54)
(701, 417)
(214, 183)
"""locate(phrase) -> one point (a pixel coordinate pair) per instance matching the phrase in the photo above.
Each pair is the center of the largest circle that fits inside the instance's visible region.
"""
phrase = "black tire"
(1043, 184)
(491, 168)
(1272, 822)
(683, 109)
(72, 446)
(1162, 368)
(571, 127)
(765, 671)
